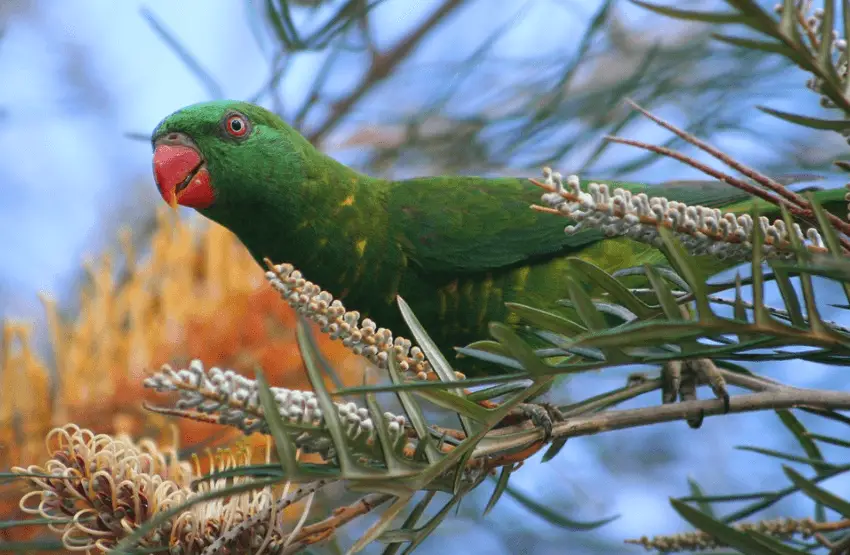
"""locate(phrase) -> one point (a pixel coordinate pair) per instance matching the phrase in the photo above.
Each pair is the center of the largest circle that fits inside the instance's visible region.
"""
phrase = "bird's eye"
(236, 125)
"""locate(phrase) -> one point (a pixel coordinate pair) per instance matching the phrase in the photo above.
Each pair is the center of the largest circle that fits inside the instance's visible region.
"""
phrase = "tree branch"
(321, 531)
(773, 397)
(382, 66)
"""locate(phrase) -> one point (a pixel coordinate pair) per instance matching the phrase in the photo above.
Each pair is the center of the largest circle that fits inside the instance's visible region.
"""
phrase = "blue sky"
(77, 75)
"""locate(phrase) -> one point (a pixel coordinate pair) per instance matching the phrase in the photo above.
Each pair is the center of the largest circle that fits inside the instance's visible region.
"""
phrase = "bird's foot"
(542, 414)
(680, 378)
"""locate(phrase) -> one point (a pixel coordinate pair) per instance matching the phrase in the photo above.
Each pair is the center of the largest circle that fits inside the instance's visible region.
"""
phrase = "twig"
(205, 77)
(802, 213)
(779, 397)
(382, 66)
(756, 176)
(323, 530)
(793, 198)
(717, 174)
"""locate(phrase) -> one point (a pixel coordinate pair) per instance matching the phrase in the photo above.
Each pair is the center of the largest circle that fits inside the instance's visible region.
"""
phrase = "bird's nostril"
(173, 136)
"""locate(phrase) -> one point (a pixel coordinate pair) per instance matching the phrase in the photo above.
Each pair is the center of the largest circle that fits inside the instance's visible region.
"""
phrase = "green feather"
(456, 248)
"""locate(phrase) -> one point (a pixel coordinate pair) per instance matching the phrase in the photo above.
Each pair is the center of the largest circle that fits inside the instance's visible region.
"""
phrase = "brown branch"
(813, 39)
(773, 397)
(802, 213)
(325, 529)
(756, 176)
(708, 170)
(382, 66)
(763, 180)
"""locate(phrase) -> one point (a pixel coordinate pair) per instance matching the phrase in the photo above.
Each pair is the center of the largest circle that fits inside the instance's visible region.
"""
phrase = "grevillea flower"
(96, 490)
(102, 488)
(700, 230)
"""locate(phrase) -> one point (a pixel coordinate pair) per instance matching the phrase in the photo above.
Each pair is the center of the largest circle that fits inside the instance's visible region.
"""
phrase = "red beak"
(182, 176)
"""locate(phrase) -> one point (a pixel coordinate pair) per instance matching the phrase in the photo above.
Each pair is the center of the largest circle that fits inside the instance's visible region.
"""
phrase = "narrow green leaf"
(683, 263)
(32, 546)
(691, 15)
(829, 439)
(271, 470)
(760, 315)
(489, 345)
(553, 517)
(807, 121)
(452, 402)
(817, 493)
(776, 496)
(501, 484)
(518, 349)
(546, 320)
(830, 237)
(495, 391)
(788, 22)
(349, 466)
(740, 310)
(378, 528)
(612, 286)
(489, 357)
(760, 20)
(789, 297)
(554, 449)
(813, 316)
(584, 306)
(495, 416)
(774, 544)
(6, 524)
(665, 297)
(283, 444)
(818, 464)
(395, 463)
(699, 496)
(414, 414)
(429, 527)
(763, 46)
(432, 352)
(801, 435)
(647, 334)
(723, 533)
(458, 481)
(416, 385)
(409, 522)
(732, 498)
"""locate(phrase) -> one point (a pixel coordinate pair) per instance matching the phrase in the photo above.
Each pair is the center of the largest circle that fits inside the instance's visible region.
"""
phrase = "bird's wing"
(470, 224)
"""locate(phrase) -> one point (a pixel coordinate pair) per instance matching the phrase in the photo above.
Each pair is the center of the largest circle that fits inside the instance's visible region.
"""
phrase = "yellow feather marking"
(349, 200)
(361, 246)
(323, 241)
(451, 295)
(396, 282)
(302, 224)
(484, 291)
(521, 278)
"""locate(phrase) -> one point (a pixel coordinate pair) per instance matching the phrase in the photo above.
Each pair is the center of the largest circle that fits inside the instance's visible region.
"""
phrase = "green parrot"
(455, 248)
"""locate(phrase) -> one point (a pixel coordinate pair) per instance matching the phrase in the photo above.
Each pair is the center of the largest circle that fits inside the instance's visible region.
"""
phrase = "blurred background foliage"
(393, 87)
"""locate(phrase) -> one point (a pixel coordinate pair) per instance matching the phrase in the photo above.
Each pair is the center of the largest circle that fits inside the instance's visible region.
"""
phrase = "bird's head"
(213, 154)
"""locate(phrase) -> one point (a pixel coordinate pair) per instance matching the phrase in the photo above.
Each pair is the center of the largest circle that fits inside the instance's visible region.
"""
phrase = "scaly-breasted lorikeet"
(455, 248)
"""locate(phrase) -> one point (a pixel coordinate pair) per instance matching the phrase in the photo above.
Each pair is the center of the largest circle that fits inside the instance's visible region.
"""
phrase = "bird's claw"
(542, 414)
(681, 378)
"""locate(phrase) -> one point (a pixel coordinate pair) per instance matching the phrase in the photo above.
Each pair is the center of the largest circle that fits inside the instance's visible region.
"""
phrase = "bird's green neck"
(313, 212)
